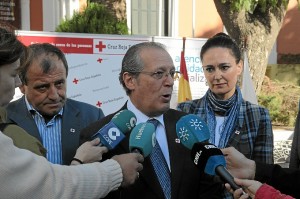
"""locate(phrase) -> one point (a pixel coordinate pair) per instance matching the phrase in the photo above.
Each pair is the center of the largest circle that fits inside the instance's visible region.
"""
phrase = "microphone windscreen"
(207, 157)
(125, 120)
(191, 129)
(142, 138)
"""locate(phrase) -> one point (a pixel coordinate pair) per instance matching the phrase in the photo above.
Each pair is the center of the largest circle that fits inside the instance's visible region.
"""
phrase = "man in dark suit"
(44, 111)
(147, 77)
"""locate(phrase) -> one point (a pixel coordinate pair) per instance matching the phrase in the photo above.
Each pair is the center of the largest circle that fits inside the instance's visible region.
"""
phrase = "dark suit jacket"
(76, 116)
(186, 180)
(286, 180)
(295, 150)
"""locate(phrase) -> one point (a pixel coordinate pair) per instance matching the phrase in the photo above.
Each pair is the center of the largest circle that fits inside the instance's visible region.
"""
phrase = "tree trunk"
(118, 7)
(256, 33)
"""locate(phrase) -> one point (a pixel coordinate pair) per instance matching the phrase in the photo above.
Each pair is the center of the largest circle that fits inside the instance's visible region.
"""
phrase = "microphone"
(191, 129)
(142, 139)
(194, 134)
(113, 132)
(210, 159)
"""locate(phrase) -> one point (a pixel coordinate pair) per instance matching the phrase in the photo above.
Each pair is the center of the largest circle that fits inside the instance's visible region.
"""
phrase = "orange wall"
(207, 19)
(36, 15)
(185, 17)
(288, 40)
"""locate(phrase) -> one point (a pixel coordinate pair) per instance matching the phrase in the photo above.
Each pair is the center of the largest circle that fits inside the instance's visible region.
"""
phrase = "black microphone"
(210, 159)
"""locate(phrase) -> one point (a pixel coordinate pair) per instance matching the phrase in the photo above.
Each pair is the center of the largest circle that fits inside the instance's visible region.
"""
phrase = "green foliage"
(281, 99)
(96, 18)
(252, 5)
(273, 103)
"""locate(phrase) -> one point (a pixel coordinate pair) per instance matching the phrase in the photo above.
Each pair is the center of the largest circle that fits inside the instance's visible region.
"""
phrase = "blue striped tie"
(160, 166)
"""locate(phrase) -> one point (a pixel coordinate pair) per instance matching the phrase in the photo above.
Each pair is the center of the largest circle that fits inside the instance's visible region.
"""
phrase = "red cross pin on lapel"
(72, 130)
(177, 141)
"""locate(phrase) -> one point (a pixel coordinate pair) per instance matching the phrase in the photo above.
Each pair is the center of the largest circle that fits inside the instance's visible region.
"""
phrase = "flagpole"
(183, 45)
(184, 91)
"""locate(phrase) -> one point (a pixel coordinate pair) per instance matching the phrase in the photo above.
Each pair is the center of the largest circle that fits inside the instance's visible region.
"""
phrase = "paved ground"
(282, 145)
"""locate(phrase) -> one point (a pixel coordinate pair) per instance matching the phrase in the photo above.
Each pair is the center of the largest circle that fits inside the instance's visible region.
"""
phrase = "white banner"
(95, 61)
(193, 64)
(94, 65)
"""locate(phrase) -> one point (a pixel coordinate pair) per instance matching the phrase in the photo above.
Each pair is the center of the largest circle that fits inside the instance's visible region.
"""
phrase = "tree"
(96, 18)
(117, 7)
(254, 24)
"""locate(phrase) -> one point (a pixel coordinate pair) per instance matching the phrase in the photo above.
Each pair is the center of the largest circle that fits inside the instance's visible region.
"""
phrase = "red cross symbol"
(100, 46)
(99, 103)
(75, 81)
(99, 60)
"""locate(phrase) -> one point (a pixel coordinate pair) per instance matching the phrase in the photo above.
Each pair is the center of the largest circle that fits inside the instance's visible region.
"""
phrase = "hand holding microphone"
(89, 152)
(112, 134)
(131, 165)
(251, 187)
(141, 143)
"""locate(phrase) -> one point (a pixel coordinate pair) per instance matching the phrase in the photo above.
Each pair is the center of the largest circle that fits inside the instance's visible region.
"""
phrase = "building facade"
(174, 18)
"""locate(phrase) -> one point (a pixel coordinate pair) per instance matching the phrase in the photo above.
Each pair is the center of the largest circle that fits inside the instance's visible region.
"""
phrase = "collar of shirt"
(141, 117)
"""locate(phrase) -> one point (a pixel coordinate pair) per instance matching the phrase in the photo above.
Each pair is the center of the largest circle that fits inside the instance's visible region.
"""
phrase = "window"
(149, 17)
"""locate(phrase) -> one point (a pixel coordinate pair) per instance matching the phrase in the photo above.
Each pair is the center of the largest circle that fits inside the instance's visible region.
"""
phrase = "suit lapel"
(149, 176)
(21, 116)
(70, 129)
(177, 157)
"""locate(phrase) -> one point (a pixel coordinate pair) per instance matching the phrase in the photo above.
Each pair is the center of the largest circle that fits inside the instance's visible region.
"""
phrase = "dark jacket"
(186, 180)
(76, 116)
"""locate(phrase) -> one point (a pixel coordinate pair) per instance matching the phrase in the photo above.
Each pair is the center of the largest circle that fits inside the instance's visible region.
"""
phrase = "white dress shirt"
(160, 130)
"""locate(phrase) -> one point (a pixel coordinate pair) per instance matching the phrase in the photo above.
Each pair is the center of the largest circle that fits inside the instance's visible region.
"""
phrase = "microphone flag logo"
(183, 134)
(197, 124)
(132, 122)
(113, 133)
(191, 129)
(110, 135)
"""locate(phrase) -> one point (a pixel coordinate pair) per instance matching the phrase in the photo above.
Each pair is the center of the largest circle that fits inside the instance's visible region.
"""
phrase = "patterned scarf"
(228, 108)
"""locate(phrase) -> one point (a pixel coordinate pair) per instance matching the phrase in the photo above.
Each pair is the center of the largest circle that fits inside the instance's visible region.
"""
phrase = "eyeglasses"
(157, 74)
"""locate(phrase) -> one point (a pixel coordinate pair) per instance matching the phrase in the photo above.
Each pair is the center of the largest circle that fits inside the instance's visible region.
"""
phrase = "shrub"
(282, 101)
(96, 18)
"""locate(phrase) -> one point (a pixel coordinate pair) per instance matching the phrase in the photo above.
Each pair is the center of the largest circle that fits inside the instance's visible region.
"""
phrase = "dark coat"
(186, 180)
